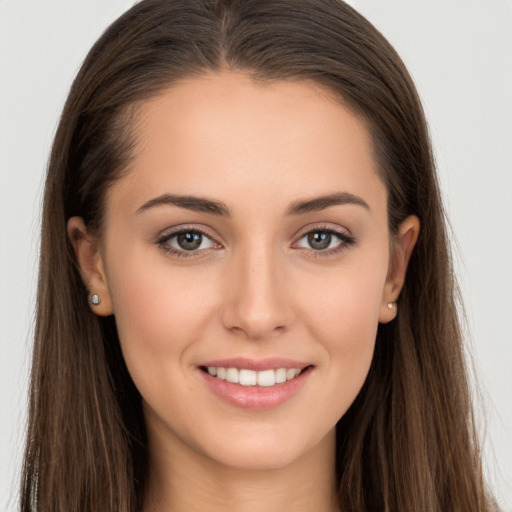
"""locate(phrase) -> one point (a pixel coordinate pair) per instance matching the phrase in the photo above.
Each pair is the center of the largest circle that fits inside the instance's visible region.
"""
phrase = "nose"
(256, 304)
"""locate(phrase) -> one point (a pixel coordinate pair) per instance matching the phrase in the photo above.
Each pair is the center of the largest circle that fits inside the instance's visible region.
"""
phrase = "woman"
(245, 284)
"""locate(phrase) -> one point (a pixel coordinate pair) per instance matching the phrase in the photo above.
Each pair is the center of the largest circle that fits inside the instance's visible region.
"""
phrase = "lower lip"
(256, 397)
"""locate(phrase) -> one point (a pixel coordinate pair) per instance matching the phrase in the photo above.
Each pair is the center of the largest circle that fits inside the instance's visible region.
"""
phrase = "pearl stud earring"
(392, 305)
(94, 299)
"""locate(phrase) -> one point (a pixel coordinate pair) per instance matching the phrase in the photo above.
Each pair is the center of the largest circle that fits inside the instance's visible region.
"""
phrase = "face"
(247, 241)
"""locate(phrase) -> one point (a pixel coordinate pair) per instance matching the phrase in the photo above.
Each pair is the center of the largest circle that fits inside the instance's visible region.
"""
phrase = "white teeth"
(232, 375)
(264, 378)
(247, 377)
(280, 375)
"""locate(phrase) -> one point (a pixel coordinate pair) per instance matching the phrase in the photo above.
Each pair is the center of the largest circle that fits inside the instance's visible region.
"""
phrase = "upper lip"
(269, 363)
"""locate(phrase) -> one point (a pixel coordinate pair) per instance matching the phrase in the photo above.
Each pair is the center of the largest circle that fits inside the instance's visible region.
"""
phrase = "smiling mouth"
(254, 378)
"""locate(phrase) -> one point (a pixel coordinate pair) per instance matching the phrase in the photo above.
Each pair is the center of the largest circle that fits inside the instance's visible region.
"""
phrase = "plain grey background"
(460, 54)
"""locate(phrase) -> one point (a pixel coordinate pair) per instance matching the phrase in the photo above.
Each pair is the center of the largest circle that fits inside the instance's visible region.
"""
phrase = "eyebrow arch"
(197, 204)
(320, 203)
(201, 204)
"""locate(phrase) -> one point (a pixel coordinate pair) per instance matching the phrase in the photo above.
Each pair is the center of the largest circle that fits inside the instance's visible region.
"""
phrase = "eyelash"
(163, 242)
(345, 241)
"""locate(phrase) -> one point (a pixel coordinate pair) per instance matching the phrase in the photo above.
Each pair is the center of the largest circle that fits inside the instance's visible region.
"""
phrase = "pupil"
(319, 240)
(189, 241)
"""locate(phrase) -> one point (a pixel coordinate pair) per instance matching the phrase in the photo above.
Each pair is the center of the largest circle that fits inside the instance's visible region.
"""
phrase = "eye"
(186, 241)
(327, 240)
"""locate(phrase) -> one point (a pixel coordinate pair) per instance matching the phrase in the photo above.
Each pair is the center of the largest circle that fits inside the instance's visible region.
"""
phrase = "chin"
(268, 450)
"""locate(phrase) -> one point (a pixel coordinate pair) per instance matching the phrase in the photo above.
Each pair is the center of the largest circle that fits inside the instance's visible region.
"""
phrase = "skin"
(255, 288)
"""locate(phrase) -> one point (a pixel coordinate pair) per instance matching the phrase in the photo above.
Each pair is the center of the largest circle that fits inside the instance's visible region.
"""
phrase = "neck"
(186, 482)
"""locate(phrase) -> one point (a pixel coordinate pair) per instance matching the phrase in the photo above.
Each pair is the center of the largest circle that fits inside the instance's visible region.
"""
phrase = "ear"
(404, 244)
(91, 266)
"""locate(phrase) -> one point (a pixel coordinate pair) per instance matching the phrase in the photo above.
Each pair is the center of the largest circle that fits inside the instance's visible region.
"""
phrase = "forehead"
(223, 134)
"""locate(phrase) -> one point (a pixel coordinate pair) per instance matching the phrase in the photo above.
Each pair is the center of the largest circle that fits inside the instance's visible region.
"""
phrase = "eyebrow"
(196, 204)
(201, 204)
(320, 203)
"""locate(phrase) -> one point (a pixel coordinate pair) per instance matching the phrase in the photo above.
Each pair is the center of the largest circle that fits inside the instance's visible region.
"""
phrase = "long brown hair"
(407, 443)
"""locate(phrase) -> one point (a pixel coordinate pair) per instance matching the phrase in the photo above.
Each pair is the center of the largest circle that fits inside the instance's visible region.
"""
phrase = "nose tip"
(256, 328)
(256, 304)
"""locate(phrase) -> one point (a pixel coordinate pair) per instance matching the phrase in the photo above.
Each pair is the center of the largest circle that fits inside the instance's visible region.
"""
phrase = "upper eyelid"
(343, 239)
(175, 231)
(323, 227)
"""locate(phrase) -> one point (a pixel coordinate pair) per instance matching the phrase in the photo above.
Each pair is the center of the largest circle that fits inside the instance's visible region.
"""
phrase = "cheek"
(159, 313)
(345, 306)
(148, 293)
(343, 318)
